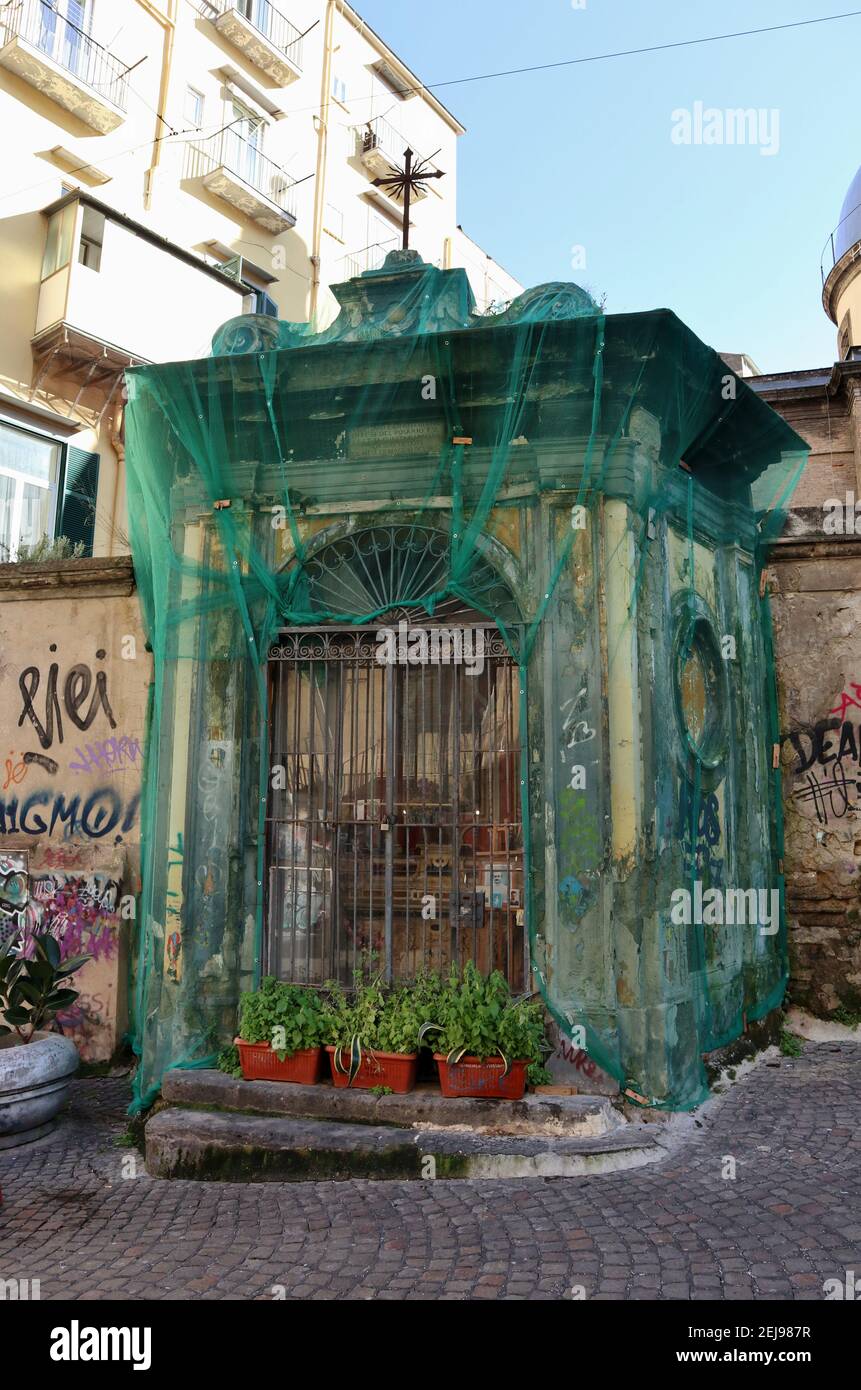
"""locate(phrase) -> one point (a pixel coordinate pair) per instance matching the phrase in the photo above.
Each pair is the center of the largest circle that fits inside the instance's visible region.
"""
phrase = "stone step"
(575, 1116)
(239, 1147)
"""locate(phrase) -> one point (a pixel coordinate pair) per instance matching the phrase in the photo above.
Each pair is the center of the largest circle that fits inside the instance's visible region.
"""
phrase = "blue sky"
(726, 236)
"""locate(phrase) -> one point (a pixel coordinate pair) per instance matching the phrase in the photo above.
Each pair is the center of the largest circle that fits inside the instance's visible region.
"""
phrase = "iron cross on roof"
(404, 182)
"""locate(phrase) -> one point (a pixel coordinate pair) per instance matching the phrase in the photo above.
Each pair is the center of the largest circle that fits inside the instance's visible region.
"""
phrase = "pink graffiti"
(79, 911)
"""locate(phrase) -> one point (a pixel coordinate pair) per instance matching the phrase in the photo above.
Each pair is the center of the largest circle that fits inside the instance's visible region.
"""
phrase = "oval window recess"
(699, 694)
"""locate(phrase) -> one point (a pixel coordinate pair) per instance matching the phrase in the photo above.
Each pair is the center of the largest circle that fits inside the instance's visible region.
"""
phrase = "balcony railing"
(379, 135)
(381, 150)
(370, 258)
(231, 151)
(841, 240)
(268, 21)
(40, 25)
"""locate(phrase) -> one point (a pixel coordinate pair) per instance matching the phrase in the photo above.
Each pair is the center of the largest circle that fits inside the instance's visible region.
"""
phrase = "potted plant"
(488, 1040)
(374, 1036)
(281, 1031)
(36, 1065)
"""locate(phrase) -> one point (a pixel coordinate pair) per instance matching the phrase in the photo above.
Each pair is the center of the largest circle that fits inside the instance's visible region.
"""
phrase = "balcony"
(235, 170)
(380, 148)
(263, 35)
(57, 58)
(113, 294)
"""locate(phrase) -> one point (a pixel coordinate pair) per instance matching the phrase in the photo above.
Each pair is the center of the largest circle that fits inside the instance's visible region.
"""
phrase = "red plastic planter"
(397, 1070)
(472, 1077)
(260, 1063)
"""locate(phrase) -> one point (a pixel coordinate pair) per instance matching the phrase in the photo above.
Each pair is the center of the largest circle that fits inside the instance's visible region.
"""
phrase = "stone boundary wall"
(74, 679)
(815, 585)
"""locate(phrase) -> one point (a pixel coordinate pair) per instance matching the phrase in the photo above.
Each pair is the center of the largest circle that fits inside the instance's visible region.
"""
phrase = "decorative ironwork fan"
(395, 569)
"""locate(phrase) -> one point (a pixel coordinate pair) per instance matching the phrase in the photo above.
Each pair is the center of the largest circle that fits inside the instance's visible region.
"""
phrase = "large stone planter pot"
(34, 1082)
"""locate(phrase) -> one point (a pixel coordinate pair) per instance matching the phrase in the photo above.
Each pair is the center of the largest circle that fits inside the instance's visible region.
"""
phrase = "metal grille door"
(394, 824)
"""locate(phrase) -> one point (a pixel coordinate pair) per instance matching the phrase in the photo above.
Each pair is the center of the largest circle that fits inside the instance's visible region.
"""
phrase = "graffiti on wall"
(14, 895)
(826, 769)
(79, 910)
(571, 1065)
(698, 830)
(89, 817)
(107, 756)
(77, 696)
(70, 774)
(86, 1021)
(55, 704)
(579, 844)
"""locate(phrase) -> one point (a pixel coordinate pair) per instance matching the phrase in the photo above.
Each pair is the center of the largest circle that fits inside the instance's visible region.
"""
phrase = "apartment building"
(168, 165)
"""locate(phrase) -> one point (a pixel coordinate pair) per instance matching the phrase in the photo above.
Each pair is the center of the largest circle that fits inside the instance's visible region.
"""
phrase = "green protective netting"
(604, 491)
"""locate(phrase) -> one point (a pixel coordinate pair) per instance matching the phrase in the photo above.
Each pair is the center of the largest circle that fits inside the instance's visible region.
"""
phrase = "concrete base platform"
(552, 1116)
(212, 1145)
(259, 1131)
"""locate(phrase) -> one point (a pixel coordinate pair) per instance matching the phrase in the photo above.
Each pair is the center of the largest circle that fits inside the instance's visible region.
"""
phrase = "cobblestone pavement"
(676, 1230)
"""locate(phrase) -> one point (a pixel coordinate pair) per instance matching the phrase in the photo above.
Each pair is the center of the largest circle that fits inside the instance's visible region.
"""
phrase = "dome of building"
(849, 230)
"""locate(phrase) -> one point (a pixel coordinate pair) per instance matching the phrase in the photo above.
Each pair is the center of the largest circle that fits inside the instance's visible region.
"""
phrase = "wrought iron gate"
(394, 829)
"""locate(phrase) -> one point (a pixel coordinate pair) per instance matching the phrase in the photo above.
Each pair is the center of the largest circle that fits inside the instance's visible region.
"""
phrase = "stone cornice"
(105, 577)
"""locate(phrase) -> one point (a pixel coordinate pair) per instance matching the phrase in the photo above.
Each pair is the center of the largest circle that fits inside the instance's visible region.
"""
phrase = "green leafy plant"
(32, 992)
(228, 1062)
(538, 1075)
(850, 1018)
(288, 1017)
(478, 1017)
(790, 1044)
(375, 1017)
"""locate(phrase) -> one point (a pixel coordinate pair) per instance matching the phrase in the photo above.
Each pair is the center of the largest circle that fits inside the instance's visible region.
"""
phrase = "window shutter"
(77, 518)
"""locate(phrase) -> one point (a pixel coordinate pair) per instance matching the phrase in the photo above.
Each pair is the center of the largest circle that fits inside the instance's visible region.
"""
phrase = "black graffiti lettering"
(39, 760)
(28, 684)
(823, 744)
(805, 760)
(834, 792)
(847, 743)
(75, 693)
(813, 744)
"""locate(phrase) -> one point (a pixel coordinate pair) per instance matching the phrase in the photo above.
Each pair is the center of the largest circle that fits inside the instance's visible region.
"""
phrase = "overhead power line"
(507, 72)
(633, 52)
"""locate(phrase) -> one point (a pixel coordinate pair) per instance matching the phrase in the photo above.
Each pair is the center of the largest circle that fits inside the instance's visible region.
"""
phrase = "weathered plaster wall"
(74, 677)
(816, 603)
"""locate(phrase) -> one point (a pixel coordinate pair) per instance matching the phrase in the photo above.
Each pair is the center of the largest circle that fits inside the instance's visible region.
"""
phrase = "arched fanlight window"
(384, 569)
